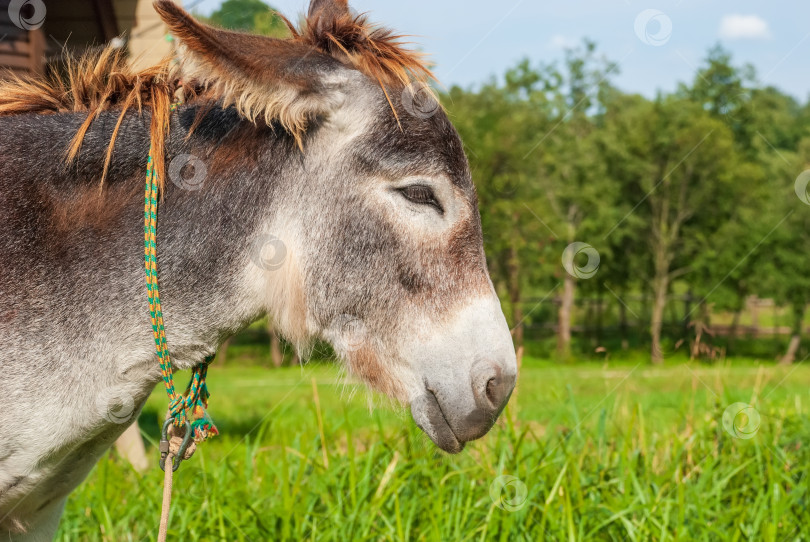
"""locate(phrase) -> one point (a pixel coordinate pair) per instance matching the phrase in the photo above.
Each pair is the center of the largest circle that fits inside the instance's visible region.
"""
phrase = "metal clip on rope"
(164, 445)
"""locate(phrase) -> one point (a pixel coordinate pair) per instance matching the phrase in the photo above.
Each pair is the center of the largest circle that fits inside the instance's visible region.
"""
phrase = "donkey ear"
(263, 77)
(325, 13)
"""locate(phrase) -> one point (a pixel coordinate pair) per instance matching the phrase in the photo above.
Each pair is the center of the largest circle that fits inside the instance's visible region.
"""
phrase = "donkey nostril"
(492, 392)
(491, 387)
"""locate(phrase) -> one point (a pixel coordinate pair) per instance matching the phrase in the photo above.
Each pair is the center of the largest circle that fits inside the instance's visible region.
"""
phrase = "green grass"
(618, 452)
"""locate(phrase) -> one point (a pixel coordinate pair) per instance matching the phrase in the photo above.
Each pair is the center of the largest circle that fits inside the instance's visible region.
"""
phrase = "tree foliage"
(690, 191)
(249, 15)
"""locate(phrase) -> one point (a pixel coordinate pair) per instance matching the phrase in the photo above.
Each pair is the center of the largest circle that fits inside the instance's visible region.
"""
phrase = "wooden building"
(34, 31)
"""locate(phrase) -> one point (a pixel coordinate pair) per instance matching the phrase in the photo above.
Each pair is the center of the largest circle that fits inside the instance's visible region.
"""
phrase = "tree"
(626, 260)
(764, 122)
(579, 192)
(678, 161)
(249, 16)
(783, 273)
(725, 91)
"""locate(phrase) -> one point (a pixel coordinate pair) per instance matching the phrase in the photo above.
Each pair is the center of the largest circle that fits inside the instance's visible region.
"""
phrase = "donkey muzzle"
(453, 417)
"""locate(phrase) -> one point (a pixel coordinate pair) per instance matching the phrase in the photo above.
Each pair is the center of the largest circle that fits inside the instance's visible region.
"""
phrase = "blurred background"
(642, 171)
(660, 151)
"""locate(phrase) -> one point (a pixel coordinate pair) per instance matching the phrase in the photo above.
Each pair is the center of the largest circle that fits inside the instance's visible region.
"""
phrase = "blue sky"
(656, 43)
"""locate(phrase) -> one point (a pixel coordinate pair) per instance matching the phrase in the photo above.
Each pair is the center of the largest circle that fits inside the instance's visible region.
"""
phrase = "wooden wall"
(21, 51)
(79, 24)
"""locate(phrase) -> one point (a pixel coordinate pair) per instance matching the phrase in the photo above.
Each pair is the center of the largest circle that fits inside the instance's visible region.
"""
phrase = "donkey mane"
(373, 50)
(102, 80)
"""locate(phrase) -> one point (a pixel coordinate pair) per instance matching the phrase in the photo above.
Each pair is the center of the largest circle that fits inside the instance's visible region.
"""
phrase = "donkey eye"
(422, 195)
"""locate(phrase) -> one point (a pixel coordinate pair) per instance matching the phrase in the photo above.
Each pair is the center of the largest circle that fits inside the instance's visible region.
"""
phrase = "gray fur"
(77, 360)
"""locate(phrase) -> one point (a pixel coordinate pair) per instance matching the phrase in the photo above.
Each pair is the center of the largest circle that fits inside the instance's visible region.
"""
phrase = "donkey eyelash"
(421, 195)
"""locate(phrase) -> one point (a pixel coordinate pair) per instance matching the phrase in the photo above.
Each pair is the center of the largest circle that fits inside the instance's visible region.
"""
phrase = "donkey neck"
(225, 186)
(89, 257)
(73, 305)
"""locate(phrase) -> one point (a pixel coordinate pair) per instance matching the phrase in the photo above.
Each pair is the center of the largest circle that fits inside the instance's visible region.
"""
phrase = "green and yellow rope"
(192, 404)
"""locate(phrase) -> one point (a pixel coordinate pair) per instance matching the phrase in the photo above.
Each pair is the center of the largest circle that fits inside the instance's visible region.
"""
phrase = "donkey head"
(376, 211)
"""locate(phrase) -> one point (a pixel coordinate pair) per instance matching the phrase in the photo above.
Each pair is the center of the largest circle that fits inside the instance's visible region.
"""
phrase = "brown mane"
(375, 51)
(103, 80)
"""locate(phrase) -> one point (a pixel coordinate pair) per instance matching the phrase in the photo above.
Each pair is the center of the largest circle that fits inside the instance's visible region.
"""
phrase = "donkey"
(300, 182)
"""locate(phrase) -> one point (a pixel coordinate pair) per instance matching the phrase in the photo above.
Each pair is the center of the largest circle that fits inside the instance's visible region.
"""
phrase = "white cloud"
(558, 41)
(737, 26)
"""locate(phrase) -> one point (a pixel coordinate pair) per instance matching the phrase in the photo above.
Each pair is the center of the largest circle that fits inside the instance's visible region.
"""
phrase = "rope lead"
(192, 404)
